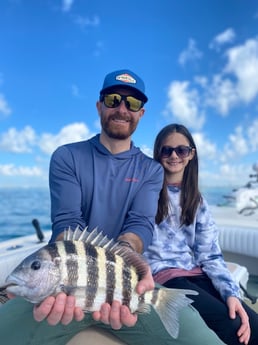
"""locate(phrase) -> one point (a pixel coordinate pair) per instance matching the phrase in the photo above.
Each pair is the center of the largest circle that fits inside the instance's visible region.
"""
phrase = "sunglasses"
(181, 151)
(113, 100)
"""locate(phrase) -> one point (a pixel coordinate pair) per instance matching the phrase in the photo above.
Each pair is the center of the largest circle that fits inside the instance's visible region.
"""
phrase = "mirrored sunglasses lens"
(112, 100)
(133, 103)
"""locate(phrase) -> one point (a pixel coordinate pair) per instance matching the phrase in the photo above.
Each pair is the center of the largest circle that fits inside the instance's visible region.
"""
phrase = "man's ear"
(98, 106)
(142, 111)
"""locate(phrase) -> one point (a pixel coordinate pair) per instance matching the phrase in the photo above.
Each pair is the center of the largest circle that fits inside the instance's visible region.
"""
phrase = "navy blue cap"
(126, 79)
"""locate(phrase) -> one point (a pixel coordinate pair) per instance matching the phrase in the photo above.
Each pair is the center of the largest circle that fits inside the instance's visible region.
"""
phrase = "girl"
(185, 252)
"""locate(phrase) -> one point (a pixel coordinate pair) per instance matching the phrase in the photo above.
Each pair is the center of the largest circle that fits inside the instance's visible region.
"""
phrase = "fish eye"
(36, 265)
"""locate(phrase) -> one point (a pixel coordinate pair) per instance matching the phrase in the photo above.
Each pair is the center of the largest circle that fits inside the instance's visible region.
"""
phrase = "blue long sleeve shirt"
(117, 193)
(187, 247)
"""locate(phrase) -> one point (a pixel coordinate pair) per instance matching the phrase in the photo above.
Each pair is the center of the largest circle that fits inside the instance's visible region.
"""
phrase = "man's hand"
(58, 309)
(146, 284)
(115, 315)
(118, 315)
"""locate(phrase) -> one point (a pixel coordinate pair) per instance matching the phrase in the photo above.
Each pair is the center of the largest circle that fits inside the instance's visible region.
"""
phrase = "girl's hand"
(235, 307)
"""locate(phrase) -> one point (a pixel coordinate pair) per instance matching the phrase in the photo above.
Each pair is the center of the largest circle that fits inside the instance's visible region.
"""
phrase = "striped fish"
(95, 270)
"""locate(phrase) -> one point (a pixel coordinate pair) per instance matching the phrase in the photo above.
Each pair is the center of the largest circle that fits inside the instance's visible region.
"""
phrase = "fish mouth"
(12, 283)
(9, 289)
(9, 285)
(3, 288)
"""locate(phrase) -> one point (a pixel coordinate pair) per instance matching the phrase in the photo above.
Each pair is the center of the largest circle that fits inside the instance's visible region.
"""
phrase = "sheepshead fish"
(95, 270)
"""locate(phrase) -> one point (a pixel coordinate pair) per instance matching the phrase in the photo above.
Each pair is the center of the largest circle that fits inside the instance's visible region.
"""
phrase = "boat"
(238, 238)
(238, 224)
(245, 198)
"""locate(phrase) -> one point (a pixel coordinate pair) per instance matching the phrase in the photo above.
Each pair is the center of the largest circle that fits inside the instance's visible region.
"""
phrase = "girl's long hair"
(190, 194)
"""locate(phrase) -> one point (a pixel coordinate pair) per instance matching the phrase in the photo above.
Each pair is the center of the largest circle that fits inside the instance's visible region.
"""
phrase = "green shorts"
(18, 327)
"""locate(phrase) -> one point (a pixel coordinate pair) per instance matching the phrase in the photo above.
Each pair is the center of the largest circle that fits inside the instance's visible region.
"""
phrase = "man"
(105, 182)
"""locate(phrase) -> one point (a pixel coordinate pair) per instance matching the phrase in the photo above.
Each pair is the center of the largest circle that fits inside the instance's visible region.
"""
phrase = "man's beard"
(116, 132)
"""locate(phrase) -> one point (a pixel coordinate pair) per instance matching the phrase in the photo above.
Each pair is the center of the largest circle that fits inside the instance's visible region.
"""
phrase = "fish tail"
(168, 303)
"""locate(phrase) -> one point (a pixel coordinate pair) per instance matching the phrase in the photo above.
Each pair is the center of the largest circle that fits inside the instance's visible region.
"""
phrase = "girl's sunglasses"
(181, 151)
(113, 100)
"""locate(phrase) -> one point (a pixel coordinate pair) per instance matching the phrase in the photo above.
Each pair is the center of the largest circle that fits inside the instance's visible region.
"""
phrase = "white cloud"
(238, 142)
(236, 83)
(184, 104)
(67, 4)
(4, 107)
(12, 170)
(75, 90)
(201, 80)
(18, 141)
(84, 22)
(236, 146)
(204, 146)
(148, 151)
(226, 36)
(252, 132)
(70, 133)
(221, 94)
(235, 173)
(190, 53)
(25, 140)
(227, 174)
(97, 125)
(243, 64)
(98, 49)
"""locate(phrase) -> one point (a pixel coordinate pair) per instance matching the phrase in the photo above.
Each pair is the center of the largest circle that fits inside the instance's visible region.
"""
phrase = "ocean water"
(19, 206)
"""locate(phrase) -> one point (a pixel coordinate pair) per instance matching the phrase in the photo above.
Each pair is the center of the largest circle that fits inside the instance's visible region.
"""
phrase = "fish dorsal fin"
(93, 237)
(132, 258)
(98, 239)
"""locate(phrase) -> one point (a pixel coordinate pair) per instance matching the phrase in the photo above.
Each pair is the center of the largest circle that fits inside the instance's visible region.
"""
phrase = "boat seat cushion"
(239, 273)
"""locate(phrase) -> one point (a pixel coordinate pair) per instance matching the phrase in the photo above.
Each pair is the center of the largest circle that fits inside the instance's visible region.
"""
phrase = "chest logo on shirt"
(131, 179)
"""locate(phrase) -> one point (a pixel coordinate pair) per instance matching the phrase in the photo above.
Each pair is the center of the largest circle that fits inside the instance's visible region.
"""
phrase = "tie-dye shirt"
(187, 247)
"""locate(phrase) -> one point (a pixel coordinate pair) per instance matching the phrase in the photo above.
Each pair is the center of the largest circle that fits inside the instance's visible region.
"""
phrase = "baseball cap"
(127, 79)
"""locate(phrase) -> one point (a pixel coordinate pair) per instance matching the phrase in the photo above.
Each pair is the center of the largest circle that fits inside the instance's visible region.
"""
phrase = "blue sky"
(198, 58)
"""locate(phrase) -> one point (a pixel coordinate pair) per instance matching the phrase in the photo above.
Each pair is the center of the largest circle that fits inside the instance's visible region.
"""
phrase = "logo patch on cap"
(126, 78)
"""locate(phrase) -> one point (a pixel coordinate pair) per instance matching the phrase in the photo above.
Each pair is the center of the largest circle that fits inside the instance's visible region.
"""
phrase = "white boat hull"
(238, 236)
(13, 251)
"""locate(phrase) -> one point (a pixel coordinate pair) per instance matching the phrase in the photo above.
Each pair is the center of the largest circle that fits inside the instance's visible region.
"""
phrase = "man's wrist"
(126, 244)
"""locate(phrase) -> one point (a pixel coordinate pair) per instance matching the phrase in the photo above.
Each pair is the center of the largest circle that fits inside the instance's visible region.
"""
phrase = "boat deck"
(228, 216)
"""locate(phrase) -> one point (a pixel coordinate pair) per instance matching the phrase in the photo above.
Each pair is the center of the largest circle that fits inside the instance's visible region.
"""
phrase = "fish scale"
(95, 270)
(92, 276)
(82, 264)
(72, 265)
(110, 277)
(127, 286)
(102, 277)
